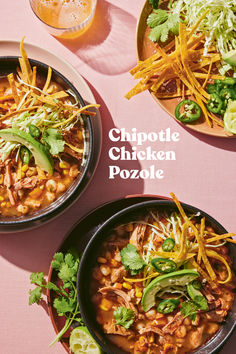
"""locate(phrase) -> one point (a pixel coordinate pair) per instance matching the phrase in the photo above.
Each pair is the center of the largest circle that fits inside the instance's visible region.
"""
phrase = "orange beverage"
(65, 18)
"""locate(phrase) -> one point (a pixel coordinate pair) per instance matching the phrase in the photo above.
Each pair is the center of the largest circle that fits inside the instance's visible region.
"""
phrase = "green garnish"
(54, 140)
(189, 308)
(162, 24)
(65, 303)
(124, 317)
(131, 259)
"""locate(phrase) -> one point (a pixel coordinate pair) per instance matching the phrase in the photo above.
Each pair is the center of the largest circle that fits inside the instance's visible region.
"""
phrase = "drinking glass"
(65, 18)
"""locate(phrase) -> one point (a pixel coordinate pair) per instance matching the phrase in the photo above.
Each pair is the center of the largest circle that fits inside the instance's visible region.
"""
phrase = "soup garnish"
(163, 282)
(42, 139)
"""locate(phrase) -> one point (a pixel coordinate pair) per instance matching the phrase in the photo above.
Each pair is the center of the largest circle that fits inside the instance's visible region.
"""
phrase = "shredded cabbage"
(218, 25)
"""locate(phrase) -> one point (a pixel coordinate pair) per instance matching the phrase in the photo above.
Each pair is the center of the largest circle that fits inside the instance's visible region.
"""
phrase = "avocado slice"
(197, 297)
(230, 57)
(179, 278)
(40, 153)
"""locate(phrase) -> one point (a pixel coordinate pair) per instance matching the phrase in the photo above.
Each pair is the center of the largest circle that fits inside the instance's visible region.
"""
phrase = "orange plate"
(146, 48)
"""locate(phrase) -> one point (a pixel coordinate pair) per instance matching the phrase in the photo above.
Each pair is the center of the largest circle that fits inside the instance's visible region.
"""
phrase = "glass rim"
(65, 28)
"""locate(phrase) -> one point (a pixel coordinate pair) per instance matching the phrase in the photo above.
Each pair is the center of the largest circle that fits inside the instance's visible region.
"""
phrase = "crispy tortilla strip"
(3, 106)
(74, 115)
(80, 151)
(230, 240)
(203, 273)
(149, 61)
(161, 79)
(25, 59)
(12, 84)
(58, 95)
(130, 280)
(217, 120)
(198, 239)
(184, 54)
(12, 114)
(213, 254)
(183, 246)
(195, 27)
(204, 110)
(6, 98)
(47, 83)
(23, 70)
(34, 76)
(202, 229)
(207, 76)
(138, 89)
(219, 237)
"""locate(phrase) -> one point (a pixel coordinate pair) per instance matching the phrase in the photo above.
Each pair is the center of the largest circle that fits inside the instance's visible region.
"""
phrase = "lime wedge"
(230, 117)
(82, 342)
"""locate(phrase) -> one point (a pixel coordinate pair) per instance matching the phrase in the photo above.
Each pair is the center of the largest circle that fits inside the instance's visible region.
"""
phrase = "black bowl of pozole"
(158, 277)
(46, 143)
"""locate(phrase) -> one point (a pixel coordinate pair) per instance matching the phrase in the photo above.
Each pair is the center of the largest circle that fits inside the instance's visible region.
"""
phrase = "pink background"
(203, 174)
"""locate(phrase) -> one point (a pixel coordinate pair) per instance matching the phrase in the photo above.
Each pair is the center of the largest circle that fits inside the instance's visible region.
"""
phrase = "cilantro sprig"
(124, 316)
(131, 259)
(65, 302)
(54, 141)
(190, 308)
(162, 23)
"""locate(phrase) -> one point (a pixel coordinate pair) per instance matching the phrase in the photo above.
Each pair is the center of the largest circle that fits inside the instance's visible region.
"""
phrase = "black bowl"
(88, 262)
(92, 151)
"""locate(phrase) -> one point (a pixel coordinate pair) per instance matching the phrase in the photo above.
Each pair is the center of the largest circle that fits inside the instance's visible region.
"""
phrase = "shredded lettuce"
(218, 25)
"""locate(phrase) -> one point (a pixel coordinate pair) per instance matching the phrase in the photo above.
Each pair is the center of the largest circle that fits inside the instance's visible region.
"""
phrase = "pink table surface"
(203, 174)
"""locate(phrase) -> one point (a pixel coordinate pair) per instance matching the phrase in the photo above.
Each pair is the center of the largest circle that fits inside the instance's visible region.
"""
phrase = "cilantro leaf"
(131, 259)
(189, 308)
(35, 295)
(37, 278)
(162, 30)
(54, 141)
(201, 302)
(124, 317)
(63, 305)
(157, 18)
(58, 258)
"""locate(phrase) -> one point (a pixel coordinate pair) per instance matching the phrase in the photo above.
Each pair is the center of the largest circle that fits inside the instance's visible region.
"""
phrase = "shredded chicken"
(117, 274)
(8, 176)
(153, 329)
(122, 297)
(26, 183)
(137, 236)
(12, 196)
(174, 324)
(112, 328)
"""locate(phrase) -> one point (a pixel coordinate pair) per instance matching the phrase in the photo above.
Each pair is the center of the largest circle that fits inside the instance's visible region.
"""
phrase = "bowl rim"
(103, 229)
(73, 194)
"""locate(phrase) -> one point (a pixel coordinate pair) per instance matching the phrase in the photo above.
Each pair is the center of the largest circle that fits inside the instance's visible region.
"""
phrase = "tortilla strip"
(26, 62)
(47, 83)
(219, 237)
(12, 84)
(82, 109)
(34, 76)
(12, 114)
(6, 98)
